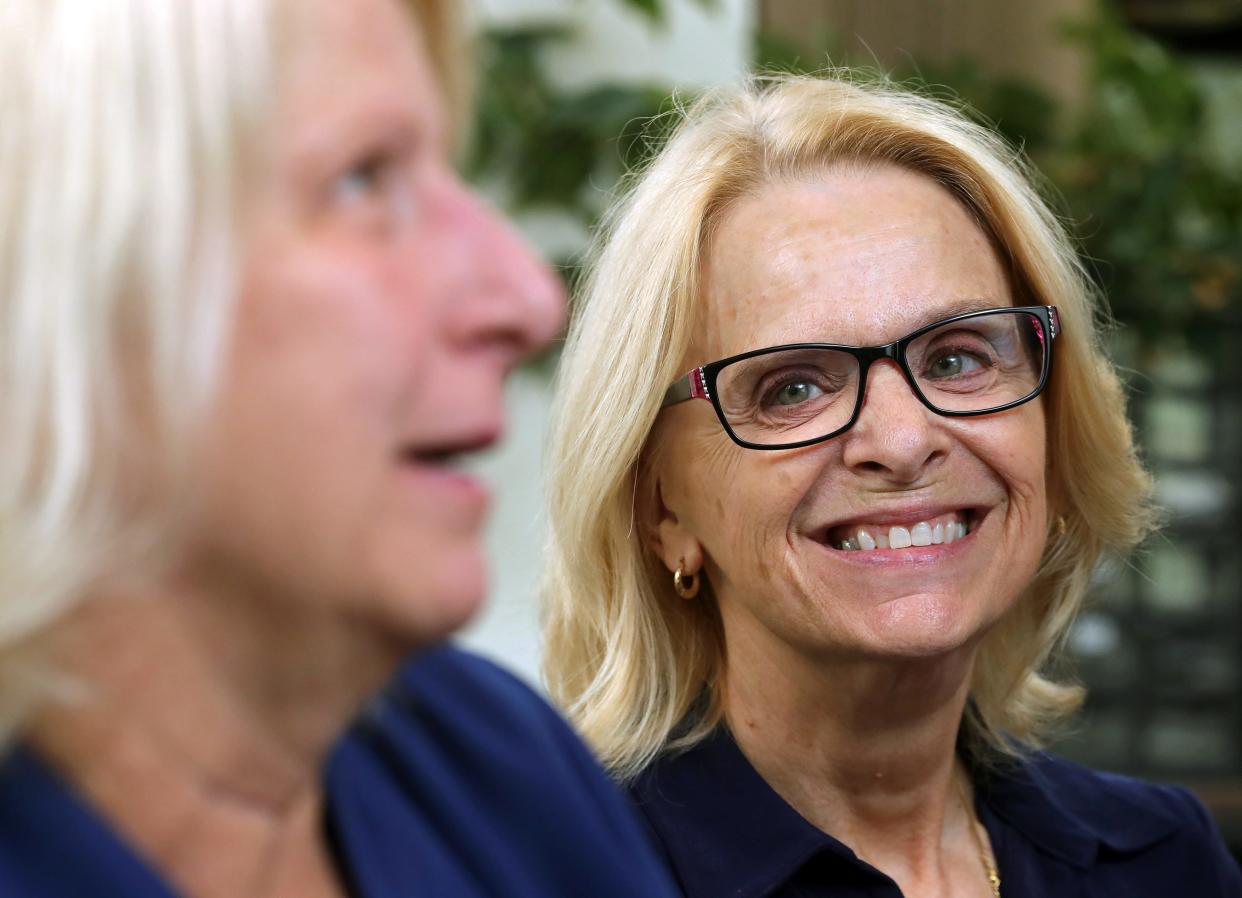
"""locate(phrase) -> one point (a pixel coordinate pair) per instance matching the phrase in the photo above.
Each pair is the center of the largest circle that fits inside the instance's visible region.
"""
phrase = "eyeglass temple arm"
(689, 387)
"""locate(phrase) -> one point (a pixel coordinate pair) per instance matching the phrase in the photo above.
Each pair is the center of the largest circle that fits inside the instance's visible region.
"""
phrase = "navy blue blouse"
(1058, 831)
(457, 781)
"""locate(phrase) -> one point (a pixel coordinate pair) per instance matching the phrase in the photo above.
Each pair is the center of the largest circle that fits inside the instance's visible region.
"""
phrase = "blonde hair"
(452, 55)
(637, 670)
(131, 132)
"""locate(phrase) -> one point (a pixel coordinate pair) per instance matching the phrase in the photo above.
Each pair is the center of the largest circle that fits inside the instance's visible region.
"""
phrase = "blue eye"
(363, 181)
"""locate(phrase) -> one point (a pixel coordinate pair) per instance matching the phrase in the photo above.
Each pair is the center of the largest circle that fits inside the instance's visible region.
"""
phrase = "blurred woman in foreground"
(250, 322)
(836, 454)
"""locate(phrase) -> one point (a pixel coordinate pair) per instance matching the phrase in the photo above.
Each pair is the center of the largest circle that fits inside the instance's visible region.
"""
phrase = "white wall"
(693, 48)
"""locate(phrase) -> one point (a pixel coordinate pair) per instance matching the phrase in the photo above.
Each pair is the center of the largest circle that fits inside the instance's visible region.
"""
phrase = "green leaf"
(651, 9)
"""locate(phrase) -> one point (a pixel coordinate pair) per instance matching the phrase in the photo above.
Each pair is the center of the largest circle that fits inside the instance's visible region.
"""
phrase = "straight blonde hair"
(638, 671)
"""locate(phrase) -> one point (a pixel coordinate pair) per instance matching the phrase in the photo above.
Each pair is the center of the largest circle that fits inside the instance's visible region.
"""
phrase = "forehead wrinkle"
(792, 306)
(828, 232)
(839, 274)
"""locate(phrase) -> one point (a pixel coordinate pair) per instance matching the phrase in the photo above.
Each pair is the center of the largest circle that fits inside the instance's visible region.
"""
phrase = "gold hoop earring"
(1058, 526)
(687, 585)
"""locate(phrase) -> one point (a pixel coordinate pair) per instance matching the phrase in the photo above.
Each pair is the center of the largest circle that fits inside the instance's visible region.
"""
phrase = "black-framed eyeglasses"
(783, 397)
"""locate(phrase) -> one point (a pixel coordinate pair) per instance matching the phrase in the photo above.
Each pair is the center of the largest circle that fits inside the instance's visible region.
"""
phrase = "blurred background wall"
(571, 57)
(1133, 110)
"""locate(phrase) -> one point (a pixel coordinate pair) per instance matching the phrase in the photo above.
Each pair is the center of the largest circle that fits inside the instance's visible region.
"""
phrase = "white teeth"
(921, 534)
(924, 533)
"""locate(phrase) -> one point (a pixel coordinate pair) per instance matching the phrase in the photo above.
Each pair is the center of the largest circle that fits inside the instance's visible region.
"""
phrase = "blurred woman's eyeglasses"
(797, 394)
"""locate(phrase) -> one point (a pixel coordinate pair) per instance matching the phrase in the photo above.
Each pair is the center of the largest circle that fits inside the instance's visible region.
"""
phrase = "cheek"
(1010, 449)
(330, 300)
(1024, 466)
(309, 416)
(741, 504)
(703, 484)
(329, 336)
(1015, 452)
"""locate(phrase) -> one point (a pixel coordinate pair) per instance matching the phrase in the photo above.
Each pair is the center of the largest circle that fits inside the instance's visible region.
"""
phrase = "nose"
(507, 297)
(896, 437)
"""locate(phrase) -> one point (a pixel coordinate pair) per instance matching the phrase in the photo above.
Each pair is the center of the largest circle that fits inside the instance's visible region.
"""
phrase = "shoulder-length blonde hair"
(637, 670)
(129, 131)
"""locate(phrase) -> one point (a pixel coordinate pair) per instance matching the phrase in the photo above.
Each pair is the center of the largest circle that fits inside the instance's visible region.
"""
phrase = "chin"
(431, 599)
(924, 626)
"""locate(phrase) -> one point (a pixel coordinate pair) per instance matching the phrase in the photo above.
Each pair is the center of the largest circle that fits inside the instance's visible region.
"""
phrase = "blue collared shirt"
(458, 782)
(1058, 830)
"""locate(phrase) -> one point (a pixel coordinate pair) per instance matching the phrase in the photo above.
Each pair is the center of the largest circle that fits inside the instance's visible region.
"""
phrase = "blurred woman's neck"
(202, 729)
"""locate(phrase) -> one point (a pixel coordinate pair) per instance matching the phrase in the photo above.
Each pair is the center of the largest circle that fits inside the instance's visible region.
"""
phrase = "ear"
(668, 537)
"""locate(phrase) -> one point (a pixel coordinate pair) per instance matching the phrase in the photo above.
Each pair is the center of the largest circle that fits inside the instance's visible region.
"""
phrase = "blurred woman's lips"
(438, 462)
(449, 448)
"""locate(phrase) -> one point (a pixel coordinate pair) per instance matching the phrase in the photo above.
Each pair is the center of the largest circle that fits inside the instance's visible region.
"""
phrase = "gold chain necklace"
(984, 854)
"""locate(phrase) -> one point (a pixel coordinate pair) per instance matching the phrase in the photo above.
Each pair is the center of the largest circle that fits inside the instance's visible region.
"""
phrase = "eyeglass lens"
(972, 365)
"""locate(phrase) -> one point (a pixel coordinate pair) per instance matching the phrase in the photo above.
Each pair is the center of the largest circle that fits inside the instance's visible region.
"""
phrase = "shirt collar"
(1071, 812)
(727, 832)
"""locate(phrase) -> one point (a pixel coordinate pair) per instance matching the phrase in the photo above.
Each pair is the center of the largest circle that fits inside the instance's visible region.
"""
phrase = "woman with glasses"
(251, 324)
(837, 451)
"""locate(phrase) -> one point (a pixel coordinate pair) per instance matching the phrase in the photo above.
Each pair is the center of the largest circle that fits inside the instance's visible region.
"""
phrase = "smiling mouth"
(940, 530)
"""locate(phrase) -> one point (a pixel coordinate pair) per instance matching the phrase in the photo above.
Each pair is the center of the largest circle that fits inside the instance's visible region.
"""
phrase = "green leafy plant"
(1158, 214)
(553, 148)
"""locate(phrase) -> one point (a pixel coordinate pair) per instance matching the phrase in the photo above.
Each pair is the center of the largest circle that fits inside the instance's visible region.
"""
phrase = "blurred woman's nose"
(896, 437)
(508, 295)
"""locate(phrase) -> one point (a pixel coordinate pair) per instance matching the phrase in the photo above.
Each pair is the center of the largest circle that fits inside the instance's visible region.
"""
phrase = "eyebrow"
(927, 316)
(336, 138)
(959, 307)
